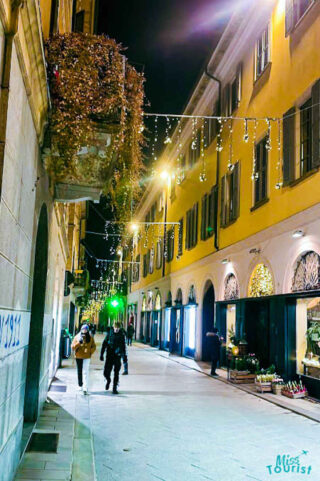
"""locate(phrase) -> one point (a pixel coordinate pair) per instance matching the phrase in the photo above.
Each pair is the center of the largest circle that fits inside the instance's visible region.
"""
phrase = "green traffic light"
(114, 303)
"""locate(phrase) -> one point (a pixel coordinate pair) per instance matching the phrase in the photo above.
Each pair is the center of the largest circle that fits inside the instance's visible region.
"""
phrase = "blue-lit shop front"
(189, 325)
(176, 326)
(166, 324)
(156, 322)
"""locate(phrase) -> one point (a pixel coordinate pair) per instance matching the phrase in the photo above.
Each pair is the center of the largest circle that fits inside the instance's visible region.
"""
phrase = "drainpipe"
(5, 79)
(216, 224)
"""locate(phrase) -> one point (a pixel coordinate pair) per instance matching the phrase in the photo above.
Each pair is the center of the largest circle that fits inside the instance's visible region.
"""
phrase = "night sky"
(170, 41)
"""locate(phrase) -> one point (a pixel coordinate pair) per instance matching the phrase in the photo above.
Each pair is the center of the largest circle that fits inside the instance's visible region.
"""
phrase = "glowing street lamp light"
(134, 227)
(164, 175)
(115, 303)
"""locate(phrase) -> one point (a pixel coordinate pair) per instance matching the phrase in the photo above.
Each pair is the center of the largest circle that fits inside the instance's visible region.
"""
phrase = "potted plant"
(277, 385)
(294, 390)
(263, 382)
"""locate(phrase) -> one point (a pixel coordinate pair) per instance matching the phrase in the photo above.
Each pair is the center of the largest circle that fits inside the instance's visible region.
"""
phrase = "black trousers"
(112, 362)
(79, 370)
(214, 366)
(130, 341)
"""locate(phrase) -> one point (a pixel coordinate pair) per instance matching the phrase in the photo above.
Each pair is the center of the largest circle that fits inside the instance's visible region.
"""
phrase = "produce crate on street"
(242, 377)
(263, 386)
(294, 395)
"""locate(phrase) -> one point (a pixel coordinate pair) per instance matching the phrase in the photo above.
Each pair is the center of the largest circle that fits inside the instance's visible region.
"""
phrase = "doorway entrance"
(31, 398)
(207, 320)
(256, 329)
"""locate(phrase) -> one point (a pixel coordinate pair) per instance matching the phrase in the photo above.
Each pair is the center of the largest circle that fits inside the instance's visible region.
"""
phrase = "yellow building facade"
(245, 188)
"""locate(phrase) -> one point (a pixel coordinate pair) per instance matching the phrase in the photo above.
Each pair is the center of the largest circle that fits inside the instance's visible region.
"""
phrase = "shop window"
(192, 227)
(157, 304)
(261, 283)
(144, 304)
(262, 53)
(295, 9)
(308, 337)
(170, 244)
(231, 288)
(230, 196)
(261, 172)
(150, 301)
(180, 238)
(159, 254)
(207, 214)
(307, 273)
(231, 321)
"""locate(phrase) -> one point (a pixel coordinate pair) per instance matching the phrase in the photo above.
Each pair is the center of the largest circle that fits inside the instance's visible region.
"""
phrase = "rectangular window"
(207, 215)
(306, 137)
(183, 167)
(170, 244)
(232, 94)
(210, 128)
(136, 269)
(151, 261)
(261, 174)
(145, 265)
(79, 22)
(147, 220)
(180, 238)
(192, 227)
(230, 196)
(262, 52)
(159, 254)
(295, 9)
(192, 154)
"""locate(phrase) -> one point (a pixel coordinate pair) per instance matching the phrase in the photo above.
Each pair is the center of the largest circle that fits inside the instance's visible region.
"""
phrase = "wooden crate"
(242, 377)
(277, 388)
(263, 386)
(294, 396)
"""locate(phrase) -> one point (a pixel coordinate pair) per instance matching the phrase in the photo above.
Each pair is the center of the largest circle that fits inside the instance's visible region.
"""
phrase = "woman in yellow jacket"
(84, 346)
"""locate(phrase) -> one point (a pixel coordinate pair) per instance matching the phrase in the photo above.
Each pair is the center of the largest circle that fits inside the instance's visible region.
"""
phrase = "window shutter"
(223, 200)
(212, 211)
(235, 191)
(195, 224)
(187, 230)
(316, 125)
(288, 145)
(289, 16)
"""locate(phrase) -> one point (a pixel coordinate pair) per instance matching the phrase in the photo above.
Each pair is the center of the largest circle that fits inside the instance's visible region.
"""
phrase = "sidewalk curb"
(237, 386)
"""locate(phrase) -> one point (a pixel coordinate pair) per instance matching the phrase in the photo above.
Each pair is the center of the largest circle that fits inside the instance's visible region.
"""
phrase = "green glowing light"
(114, 303)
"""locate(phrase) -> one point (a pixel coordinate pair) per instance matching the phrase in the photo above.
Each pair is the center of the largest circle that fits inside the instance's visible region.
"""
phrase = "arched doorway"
(31, 399)
(207, 319)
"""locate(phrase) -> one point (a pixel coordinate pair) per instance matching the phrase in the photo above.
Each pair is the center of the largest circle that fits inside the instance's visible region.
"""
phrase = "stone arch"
(32, 389)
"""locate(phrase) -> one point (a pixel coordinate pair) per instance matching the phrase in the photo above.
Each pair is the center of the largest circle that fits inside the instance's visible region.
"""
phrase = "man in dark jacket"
(215, 343)
(130, 332)
(115, 345)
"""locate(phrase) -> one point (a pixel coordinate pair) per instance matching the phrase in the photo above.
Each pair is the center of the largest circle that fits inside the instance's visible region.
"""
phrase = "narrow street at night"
(171, 422)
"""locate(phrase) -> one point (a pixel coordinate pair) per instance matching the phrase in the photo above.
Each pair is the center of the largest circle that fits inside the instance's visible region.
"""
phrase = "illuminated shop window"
(307, 273)
(158, 302)
(231, 288)
(261, 283)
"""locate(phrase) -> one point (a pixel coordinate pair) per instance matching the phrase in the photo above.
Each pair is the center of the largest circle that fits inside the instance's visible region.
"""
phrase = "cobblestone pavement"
(174, 423)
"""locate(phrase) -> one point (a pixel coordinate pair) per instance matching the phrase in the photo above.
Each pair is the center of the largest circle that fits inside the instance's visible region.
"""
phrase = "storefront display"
(308, 337)
(189, 341)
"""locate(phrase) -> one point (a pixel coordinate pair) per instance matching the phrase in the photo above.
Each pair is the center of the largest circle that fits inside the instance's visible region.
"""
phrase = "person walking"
(84, 346)
(115, 345)
(216, 344)
(130, 332)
